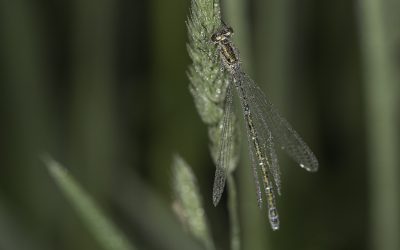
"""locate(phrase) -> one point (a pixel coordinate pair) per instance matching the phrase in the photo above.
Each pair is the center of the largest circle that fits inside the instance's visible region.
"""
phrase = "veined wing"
(267, 145)
(283, 133)
(261, 151)
(264, 134)
(225, 148)
(254, 166)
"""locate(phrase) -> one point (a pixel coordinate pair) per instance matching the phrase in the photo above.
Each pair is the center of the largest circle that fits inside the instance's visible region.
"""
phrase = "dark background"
(102, 87)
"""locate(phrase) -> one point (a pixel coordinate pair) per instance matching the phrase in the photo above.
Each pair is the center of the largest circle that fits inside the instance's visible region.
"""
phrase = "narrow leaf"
(103, 230)
(188, 205)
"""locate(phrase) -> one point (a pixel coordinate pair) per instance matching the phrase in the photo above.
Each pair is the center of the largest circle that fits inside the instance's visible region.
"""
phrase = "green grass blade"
(233, 209)
(188, 204)
(103, 230)
(208, 84)
(381, 91)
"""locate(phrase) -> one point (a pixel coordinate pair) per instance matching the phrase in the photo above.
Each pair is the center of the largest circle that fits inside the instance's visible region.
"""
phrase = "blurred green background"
(102, 87)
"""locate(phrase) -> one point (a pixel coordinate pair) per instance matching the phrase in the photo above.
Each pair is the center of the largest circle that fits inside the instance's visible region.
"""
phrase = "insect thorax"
(228, 52)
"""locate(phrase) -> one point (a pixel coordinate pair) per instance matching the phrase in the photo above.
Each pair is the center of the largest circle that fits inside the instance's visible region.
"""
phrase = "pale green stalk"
(188, 204)
(208, 83)
(102, 229)
(233, 208)
(208, 86)
(381, 92)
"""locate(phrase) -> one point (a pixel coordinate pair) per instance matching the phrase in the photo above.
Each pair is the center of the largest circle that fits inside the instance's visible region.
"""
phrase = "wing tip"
(216, 198)
(219, 185)
(310, 168)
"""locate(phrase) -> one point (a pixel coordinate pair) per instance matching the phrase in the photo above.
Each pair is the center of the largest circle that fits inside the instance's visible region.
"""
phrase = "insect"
(265, 127)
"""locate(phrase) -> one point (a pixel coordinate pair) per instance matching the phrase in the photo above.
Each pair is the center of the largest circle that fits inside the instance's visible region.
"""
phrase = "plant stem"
(208, 87)
(102, 229)
(188, 204)
(381, 88)
(233, 213)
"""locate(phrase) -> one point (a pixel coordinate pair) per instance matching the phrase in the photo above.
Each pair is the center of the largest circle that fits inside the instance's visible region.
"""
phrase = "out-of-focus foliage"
(188, 204)
(102, 86)
(106, 234)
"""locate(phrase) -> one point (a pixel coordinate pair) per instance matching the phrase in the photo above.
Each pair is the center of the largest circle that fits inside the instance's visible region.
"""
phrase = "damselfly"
(265, 127)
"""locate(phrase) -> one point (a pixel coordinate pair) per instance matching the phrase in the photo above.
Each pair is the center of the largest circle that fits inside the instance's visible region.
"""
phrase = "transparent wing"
(264, 135)
(274, 165)
(225, 148)
(267, 143)
(254, 166)
(262, 153)
(282, 132)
